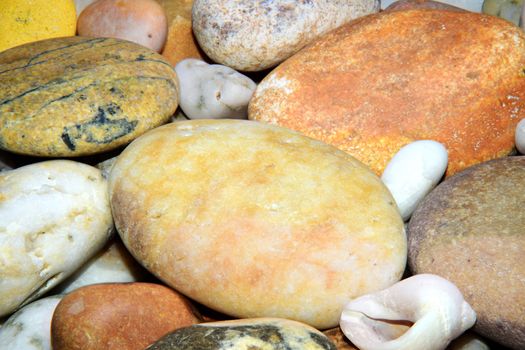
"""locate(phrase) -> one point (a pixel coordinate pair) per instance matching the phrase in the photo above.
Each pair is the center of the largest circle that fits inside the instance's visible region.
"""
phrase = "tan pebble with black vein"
(79, 96)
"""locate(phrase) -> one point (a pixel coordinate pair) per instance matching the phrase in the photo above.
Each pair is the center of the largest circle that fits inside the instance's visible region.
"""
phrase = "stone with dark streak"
(79, 96)
(471, 230)
(253, 334)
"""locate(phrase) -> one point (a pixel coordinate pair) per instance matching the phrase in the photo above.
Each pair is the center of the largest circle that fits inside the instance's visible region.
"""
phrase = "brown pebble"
(124, 316)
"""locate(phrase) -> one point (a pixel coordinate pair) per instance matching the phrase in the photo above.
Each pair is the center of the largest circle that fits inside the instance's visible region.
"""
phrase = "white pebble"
(30, 327)
(213, 90)
(413, 172)
(114, 264)
(520, 136)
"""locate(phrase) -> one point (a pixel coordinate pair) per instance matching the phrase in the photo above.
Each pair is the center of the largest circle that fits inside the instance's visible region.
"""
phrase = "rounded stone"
(259, 333)
(253, 36)
(124, 316)
(385, 80)
(30, 327)
(77, 96)
(253, 220)
(471, 230)
(54, 216)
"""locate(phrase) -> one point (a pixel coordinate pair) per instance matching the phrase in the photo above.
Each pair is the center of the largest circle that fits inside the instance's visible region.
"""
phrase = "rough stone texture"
(253, 334)
(385, 80)
(54, 216)
(255, 220)
(254, 35)
(124, 316)
(471, 230)
(78, 96)
(180, 43)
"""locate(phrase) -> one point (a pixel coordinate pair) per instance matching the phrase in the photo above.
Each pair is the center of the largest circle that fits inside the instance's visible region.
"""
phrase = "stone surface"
(113, 264)
(210, 91)
(30, 327)
(424, 4)
(140, 21)
(78, 96)
(54, 216)
(124, 316)
(253, 334)
(413, 172)
(470, 230)
(385, 80)
(253, 36)
(180, 43)
(316, 226)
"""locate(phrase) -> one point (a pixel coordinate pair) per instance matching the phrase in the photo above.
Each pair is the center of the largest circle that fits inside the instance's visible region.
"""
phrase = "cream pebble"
(520, 136)
(30, 327)
(413, 172)
(435, 305)
(114, 264)
(54, 216)
(209, 91)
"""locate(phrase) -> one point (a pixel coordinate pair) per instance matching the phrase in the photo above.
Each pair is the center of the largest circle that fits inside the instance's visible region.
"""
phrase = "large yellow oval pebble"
(24, 21)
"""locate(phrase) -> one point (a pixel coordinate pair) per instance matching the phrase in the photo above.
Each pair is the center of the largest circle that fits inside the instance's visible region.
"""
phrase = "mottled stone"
(252, 35)
(385, 80)
(471, 230)
(30, 327)
(124, 316)
(253, 334)
(254, 220)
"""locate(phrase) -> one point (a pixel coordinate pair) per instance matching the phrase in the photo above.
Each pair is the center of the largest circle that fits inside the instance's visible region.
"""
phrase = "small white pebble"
(30, 327)
(413, 172)
(209, 91)
(520, 136)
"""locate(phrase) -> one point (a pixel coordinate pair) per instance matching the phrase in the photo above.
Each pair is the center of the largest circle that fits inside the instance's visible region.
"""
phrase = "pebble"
(413, 172)
(262, 333)
(470, 230)
(317, 226)
(213, 90)
(30, 327)
(124, 316)
(140, 21)
(113, 264)
(253, 36)
(54, 216)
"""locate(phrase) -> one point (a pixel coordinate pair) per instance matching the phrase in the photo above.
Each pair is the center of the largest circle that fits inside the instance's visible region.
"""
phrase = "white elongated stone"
(212, 90)
(30, 327)
(520, 136)
(114, 264)
(413, 172)
(54, 216)
(435, 305)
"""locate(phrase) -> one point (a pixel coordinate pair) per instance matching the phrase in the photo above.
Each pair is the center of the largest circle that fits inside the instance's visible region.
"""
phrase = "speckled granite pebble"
(252, 334)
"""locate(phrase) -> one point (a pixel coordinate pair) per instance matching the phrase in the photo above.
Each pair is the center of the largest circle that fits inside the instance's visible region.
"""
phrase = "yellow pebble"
(24, 21)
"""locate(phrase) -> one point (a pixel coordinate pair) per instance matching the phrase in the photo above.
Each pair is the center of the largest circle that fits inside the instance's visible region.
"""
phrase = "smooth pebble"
(213, 90)
(413, 172)
(140, 21)
(54, 216)
(30, 327)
